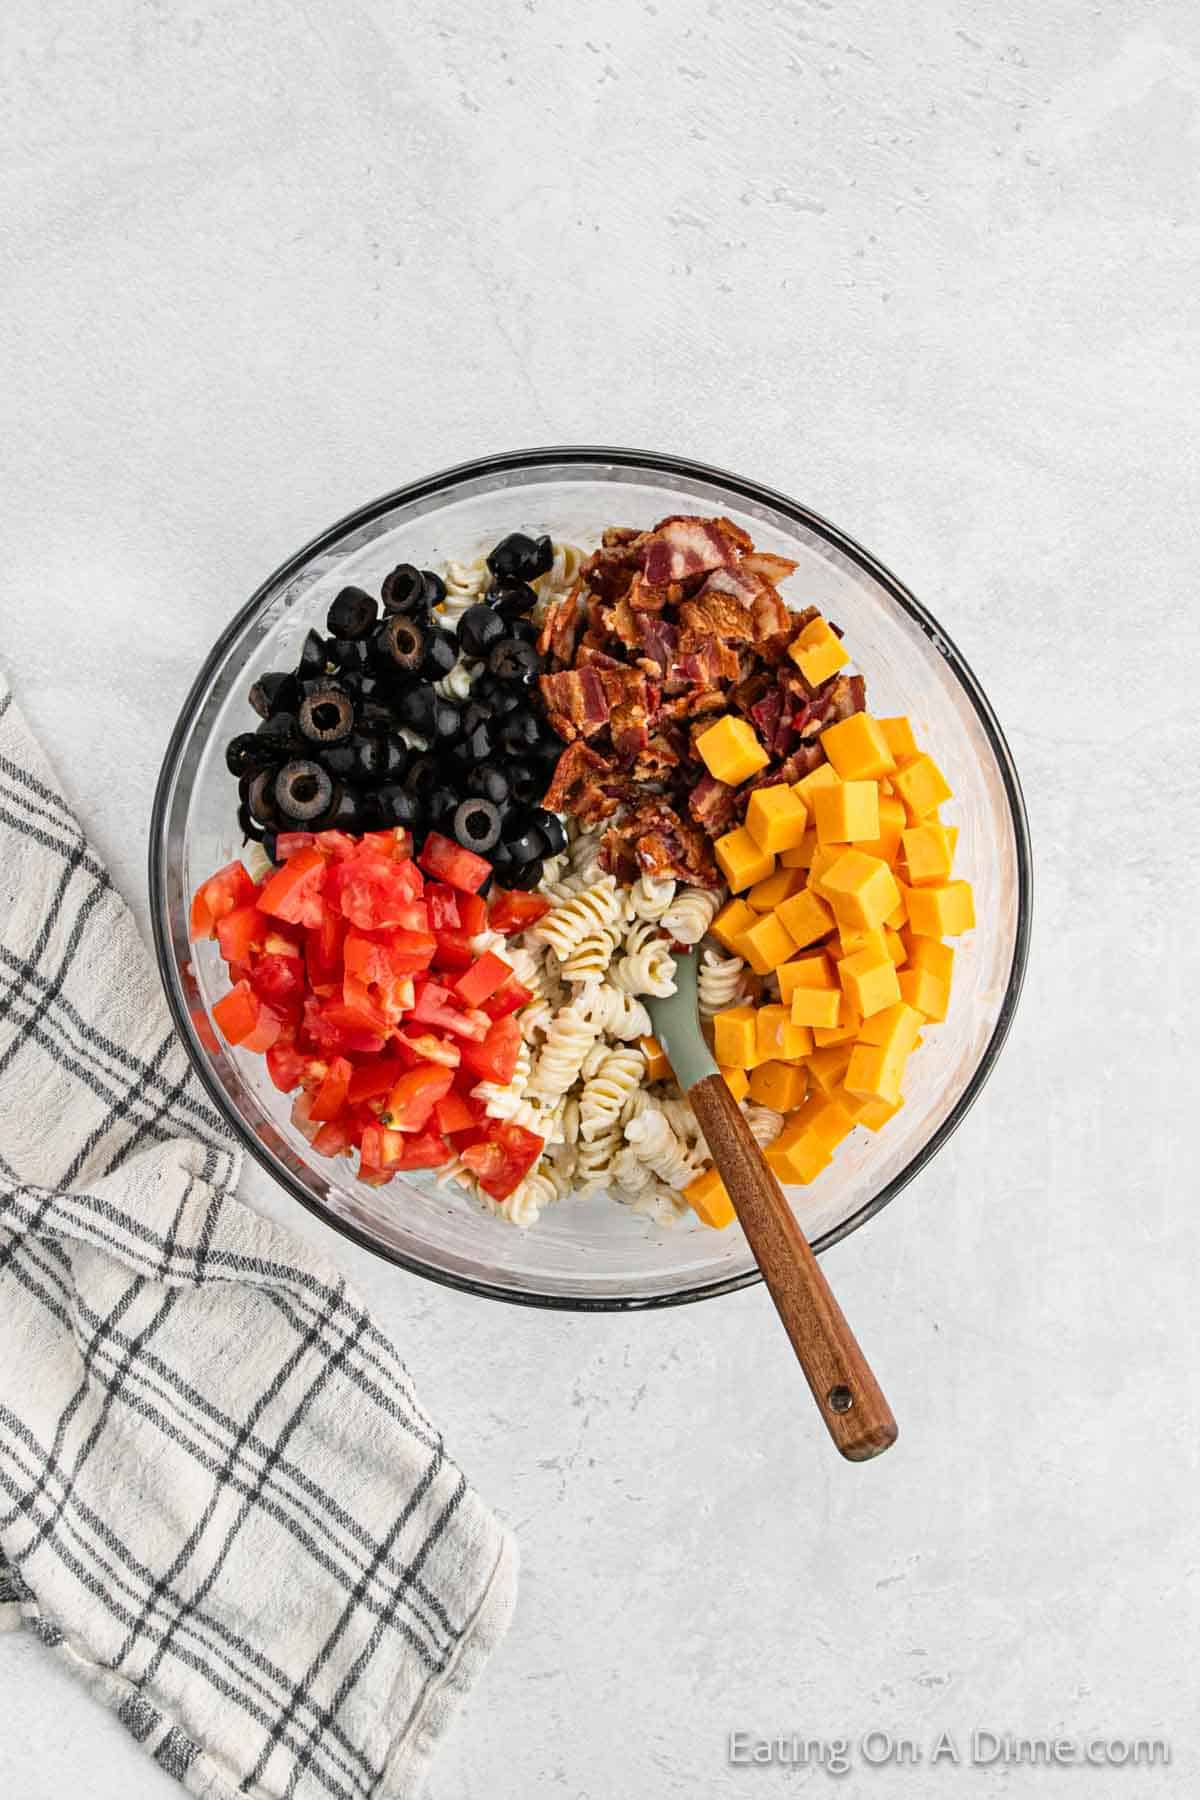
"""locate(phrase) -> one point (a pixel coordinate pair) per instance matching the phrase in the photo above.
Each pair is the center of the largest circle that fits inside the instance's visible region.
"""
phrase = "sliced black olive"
(372, 691)
(435, 587)
(422, 777)
(447, 722)
(401, 642)
(525, 877)
(528, 845)
(260, 798)
(477, 825)
(403, 590)
(525, 630)
(512, 660)
(251, 751)
(552, 829)
(351, 655)
(373, 715)
(352, 614)
(303, 790)
(479, 744)
(513, 600)
(502, 864)
(349, 814)
(519, 732)
(396, 757)
(327, 715)
(362, 758)
(441, 805)
(414, 707)
(490, 782)
(497, 695)
(312, 658)
(248, 825)
(441, 654)
(478, 629)
(393, 804)
(282, 732)
(268, 843)
(526, 781)
(520, 558)
(276, 691)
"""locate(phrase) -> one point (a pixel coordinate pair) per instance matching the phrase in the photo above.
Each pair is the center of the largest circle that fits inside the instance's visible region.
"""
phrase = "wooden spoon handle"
(856, 1415)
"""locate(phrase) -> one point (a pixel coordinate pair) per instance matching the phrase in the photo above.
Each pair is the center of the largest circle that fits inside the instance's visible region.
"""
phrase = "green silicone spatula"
(856, 1415)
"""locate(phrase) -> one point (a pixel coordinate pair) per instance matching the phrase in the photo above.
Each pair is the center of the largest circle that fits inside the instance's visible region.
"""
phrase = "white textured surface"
(933, 269)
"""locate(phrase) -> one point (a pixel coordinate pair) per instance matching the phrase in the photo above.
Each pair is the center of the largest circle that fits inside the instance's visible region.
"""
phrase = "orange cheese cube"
(929, 953)
(937, 912)
(869, 982)
(900, 740)
(827, 1066)
(801, 1161)
(767, 943)
(709, 1199)
(657, 1065)
(818, 652)
(779, 1085)
(898, 915)
(847, 813)
(824, 857)
(805, 918)
(776, 817)
(735, 1037)
(875, 941)
(875, 1072)
(928, 857)
(846, 1029)
(730, 922)
(922, 786)
(766, 895)
(895, 1028)
(923, 989)
(730, 751)
(741, 861)
(857, 748)
(804, 972)
(737, 1081)
(801, 857)
(876, 1113)
(824, 775)
(861, 889)
(777, 1036)
(892, 820)
(825, 1119)
(816, 1006)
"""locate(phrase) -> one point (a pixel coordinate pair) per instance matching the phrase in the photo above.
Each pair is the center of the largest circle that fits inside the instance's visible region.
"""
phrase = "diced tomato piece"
(338, 845)
(371, 1080)
(510, 911)
(481, 981)
(301, 1118)
(376, 892)
(240, 932)
(434, 1005)
(202, 1025)
(448, 861)
(330, 1097)
(453, 1114)
(395, 843)
(415, 1095)
(279, 980)
(442, 902)
(454, 950)
(496, 1057)
(424, 1150)
(381, 1147)
(289, 842)
(507, 999)
(333, 1031)
(268, 1027)
(323, 954)
(296, 891)
(237, 1012)
(286, 1064)
(230, 888)
(411, 951)
(333, 1139)
(502, 1160)
(426, 1046)
(472, 913)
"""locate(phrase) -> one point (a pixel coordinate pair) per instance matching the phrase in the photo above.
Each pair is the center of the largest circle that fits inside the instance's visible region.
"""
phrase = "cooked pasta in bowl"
(465, 777)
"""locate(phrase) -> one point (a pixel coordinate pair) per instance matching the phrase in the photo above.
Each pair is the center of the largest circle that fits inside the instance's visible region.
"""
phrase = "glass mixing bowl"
(594, 1253)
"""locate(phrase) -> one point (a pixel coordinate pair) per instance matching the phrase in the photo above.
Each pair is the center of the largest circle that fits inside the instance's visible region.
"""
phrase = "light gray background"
(933, 269)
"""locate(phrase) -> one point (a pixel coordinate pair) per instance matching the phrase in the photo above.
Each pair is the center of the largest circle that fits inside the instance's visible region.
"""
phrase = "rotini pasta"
(660, 1147)
(613, 1013)
(646, 965)
(566, 926)
(765, 1125)
(561, 1057)
(719, 982)
(608, 1090)
(690, 914)
(650, 898)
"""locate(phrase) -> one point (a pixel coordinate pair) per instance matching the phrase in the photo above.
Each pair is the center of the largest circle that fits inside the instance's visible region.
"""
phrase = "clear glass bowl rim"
(549, 458)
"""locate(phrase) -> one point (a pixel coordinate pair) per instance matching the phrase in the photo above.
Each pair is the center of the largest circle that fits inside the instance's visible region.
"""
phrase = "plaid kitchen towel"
(220, 1499)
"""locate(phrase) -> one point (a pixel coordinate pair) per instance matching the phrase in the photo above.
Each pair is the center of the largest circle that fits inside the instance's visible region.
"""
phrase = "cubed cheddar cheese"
(735, 1038)
(741, 861)
(804, 972)
(928, 857)
(818, 652)
(816, 1006)
(937, 912)
(800, 1160)
(825, 1119)
(657, 1065)
(926, 991)
(875, 1072)
(709, 1199)
(730, 751)
(766, 895)
(776, 818)
(897, 1028)
(869, 981)
(929, 953)
(779, 1038)
(892, 820)
(827, 1066)
(875, 940)
(824, 775)
(847, 813)
(824, 857)
(922, 786)
(779, 1085)
(767, 942)
(734, 918)
(899, 913)
(900, 740)
(872, 1113)
(805, 918)
(846, 1029)
(857, 748)
(861, 889)
(801, 857)
(737, 1081)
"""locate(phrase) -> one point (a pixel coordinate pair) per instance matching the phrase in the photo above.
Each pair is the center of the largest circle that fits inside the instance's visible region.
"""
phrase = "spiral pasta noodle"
(765, 1124)
(646, 965)
(458, 683)
(466, 584)
(608, 1090)
(659, 1146)
(718, 982)
(690, 914)
(565, 926)
(650, 897)
(613, 1013)
(568, 1041)
(590, 958)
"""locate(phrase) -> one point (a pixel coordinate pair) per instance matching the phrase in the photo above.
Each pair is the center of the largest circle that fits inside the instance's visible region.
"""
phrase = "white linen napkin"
(220, 1499)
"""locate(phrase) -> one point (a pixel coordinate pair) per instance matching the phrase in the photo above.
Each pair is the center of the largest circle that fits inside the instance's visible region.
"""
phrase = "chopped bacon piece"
(714, 616)
(575, 701)
(771, 618)
(771, 568)
(688, 546)
(630, 735)
(660, 641)
(656, 760)
(589, 657)
(712, 804)
(576, 767)
(560, 628)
